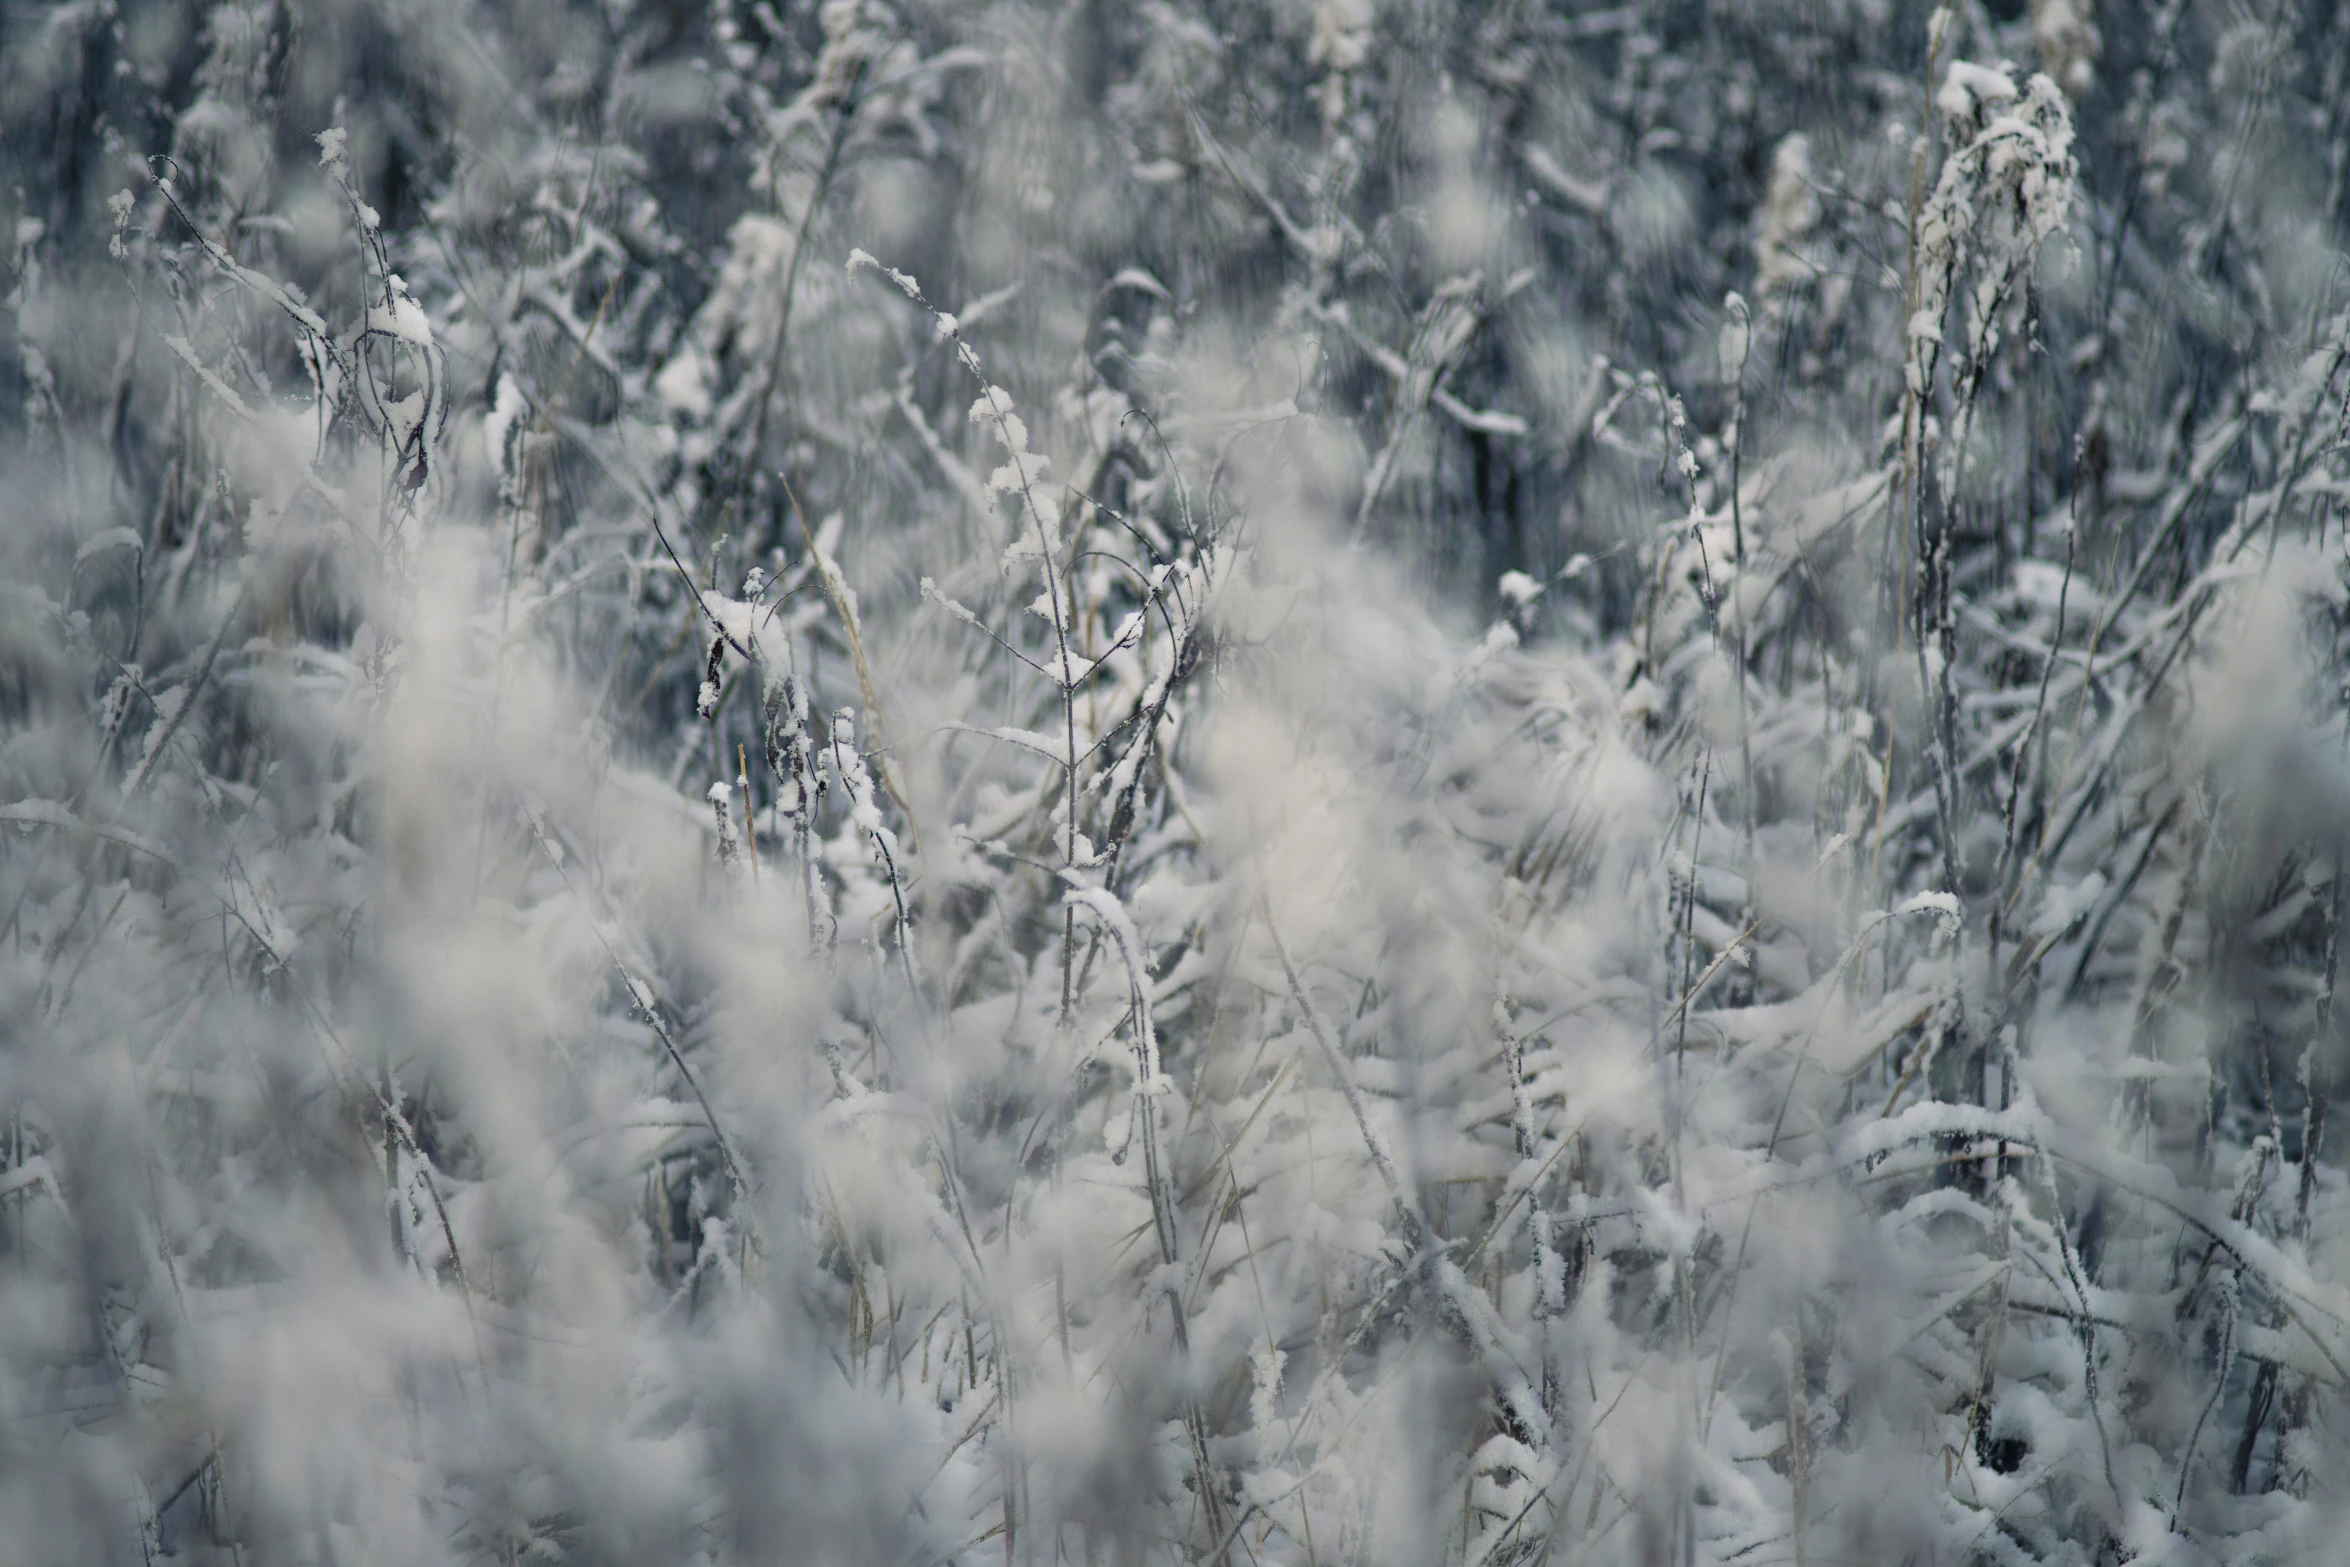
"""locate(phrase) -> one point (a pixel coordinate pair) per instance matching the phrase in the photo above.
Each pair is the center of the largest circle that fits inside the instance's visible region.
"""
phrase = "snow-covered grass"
(1340, 783)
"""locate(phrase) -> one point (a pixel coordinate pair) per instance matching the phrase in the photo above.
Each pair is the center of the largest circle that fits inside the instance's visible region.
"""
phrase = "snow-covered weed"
(1322, 783)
